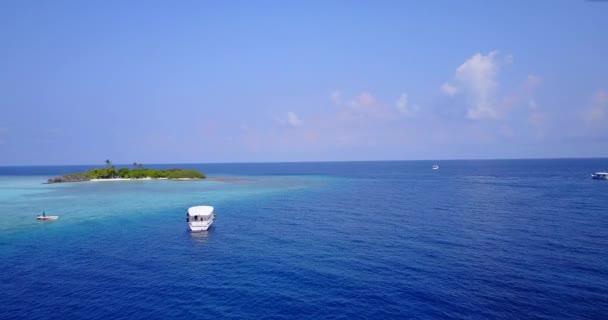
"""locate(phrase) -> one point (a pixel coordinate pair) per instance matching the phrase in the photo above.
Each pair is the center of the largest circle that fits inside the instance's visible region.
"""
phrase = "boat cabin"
(600, 175)
(200, 213)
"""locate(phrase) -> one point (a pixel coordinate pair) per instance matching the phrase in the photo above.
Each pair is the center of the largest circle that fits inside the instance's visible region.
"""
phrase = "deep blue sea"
(496, 239)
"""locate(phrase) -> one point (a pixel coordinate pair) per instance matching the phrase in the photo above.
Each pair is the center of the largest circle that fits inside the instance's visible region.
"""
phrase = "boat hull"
(199, 226)
(599, 176)
(47, 218)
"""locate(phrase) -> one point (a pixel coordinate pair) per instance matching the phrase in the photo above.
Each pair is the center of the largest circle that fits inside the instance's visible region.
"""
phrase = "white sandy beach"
(128, 179)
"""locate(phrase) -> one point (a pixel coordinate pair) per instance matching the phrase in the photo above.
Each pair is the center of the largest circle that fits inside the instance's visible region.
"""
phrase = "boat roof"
(200, 211)
(602, 173)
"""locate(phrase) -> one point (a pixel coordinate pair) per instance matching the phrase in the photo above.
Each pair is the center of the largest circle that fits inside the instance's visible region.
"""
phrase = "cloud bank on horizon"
(210, 83)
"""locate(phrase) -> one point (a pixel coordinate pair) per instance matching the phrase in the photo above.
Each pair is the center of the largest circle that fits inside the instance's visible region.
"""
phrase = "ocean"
(491, 239)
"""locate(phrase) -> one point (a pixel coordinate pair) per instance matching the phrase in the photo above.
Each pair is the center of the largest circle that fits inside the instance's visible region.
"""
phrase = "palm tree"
(141, 166)
(112, 171)
(135, 164)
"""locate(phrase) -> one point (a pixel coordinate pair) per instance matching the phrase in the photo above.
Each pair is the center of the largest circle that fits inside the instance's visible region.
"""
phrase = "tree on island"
(124, 173)
(112, 171)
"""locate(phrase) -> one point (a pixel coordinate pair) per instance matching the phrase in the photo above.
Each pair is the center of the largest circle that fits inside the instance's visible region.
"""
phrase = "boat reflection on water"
(201, 236)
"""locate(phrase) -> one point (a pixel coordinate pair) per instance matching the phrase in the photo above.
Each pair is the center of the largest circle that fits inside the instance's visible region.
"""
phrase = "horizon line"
(319, 161)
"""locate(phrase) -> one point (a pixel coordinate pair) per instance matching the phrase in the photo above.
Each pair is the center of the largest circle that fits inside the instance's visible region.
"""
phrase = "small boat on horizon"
(600, 176)
(435, 167)
(200, 218)
(43, 216)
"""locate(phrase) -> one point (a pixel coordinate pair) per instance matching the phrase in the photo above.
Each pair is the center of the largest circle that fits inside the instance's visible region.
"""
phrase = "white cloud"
(532, 82)
(402, 103)
(477, 79)
(509, 59)
(364, 100)
(449, 89)
(336, 97)
(293, 119)
(403, 106)
(599, 107)
(364, 105)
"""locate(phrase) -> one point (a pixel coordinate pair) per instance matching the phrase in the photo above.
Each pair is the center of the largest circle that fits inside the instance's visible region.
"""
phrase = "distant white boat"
(200, 218)
(600, 176)
(47, 217)
(435, 167)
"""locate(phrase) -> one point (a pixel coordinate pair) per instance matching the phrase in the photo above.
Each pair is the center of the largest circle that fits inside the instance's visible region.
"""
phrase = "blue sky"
(248, 81)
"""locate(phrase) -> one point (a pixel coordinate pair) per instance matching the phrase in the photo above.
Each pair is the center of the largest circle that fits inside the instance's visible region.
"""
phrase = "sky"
(266, 81)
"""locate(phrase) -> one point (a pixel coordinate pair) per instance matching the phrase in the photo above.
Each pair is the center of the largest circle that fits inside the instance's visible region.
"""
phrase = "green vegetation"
(184, 174)
(139, 172)
(112, 170)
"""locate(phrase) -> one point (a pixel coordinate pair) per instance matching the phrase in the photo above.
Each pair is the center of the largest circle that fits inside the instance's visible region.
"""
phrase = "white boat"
(47, 217)
(435, 167)
(600, 175)
(200, 218)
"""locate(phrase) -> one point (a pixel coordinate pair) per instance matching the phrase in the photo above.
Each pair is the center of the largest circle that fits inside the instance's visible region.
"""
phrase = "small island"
(138, 172)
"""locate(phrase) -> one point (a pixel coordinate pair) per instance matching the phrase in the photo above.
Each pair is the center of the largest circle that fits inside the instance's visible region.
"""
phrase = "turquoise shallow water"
(475, 239)
(25, 196)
